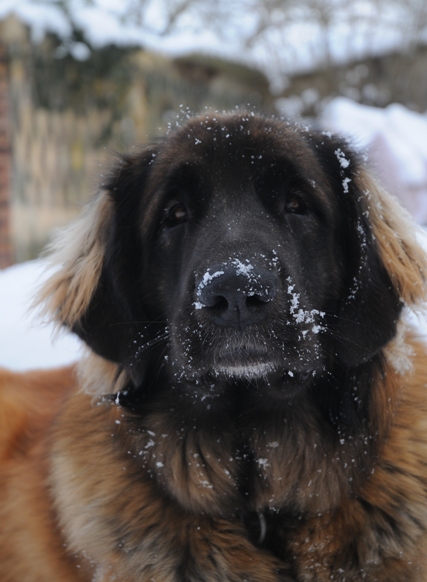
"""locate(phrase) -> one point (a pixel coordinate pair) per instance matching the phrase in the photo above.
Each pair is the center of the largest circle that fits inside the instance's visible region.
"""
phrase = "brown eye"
(294, 204)
(176, 214)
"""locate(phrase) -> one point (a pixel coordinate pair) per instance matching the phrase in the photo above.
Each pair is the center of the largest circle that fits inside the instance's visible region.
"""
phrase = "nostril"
(257, 301)
(217, 303)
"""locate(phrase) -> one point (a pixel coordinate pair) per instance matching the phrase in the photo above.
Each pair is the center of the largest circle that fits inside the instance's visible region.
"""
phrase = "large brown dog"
(253, 405)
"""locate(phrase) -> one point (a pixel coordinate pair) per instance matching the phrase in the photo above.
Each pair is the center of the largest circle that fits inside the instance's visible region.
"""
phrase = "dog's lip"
(245, 371)
(251, 362)
(243, 361)
(256, 371)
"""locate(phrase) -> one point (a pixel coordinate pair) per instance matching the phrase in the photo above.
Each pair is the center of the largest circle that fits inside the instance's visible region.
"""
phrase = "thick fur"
(30, 547)
(253, 405)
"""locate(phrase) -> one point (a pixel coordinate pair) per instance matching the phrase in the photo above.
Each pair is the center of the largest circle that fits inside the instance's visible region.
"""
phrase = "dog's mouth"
(243, 360)
(250, 371)
(250, 357)
(263, 371)
(249, 362)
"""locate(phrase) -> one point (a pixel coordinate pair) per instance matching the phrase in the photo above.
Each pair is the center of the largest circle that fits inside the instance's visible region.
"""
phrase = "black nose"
(236, 295)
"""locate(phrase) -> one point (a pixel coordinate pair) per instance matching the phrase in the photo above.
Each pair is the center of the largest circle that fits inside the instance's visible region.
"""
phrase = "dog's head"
(237, 249)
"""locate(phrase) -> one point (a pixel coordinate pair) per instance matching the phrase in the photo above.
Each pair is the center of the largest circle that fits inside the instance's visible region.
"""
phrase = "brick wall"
(6, 253)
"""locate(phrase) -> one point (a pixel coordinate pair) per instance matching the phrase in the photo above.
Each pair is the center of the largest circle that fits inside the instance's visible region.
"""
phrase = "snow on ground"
(25, 342)
(395, 140)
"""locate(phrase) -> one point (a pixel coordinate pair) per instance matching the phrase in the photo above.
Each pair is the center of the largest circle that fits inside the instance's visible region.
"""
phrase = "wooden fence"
(67, 118)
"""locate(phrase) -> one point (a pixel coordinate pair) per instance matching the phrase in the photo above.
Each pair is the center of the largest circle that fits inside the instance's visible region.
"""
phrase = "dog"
(252, 405)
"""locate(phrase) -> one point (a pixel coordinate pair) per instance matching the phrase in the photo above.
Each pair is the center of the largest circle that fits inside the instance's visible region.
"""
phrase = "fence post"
(6, 253)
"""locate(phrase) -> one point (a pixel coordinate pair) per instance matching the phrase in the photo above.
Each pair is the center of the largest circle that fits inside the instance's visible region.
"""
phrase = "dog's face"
(245, 250)
(239, 249)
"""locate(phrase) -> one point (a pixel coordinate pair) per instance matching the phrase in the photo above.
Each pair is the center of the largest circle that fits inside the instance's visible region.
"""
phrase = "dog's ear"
(397, 238)
(90, 290)
(386, 268)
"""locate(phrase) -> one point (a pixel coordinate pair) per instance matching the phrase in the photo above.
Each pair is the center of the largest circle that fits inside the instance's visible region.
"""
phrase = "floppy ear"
(95, 287)
(389, 270)
(77, 256)
(395, 233)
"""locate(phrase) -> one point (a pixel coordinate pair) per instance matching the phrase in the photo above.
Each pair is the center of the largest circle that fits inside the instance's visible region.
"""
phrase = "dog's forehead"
(226, 137)
(231, 149)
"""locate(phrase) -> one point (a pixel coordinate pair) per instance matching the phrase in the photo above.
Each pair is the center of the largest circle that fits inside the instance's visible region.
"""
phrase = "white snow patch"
(25, 342)
(342, 159)
(242, 269)
(207, 278)
(345, 184)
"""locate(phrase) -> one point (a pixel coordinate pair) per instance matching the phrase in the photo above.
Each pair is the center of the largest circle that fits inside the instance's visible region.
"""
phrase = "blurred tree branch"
(268, 25)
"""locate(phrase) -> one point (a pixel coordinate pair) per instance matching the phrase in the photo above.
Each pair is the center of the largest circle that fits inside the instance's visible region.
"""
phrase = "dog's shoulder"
(28, 403)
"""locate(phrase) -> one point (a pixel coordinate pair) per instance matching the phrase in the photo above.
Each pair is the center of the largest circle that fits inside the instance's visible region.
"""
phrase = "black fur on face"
(240, 252)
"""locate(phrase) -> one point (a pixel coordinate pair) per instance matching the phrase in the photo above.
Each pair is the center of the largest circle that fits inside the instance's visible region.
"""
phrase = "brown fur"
(393, 497)
(81, 247)
(31, 547)
(94, 493)
(84, 476)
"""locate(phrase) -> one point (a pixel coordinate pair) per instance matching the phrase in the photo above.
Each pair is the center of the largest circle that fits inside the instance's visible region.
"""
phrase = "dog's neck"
(283, 454)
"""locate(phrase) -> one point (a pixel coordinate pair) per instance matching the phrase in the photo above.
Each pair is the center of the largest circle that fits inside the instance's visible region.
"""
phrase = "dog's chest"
(218, 472)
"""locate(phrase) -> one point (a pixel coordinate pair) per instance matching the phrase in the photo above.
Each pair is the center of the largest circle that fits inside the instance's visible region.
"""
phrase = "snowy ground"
(24, 341)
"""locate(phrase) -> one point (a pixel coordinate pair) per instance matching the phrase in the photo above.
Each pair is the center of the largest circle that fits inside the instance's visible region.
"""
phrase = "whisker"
(144, 348)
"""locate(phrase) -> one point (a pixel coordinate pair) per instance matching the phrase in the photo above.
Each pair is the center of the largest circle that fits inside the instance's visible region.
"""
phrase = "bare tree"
(276, 31)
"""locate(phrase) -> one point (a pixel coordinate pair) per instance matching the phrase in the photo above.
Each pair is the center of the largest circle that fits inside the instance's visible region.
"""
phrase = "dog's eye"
(175, 214)
(294, 204)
